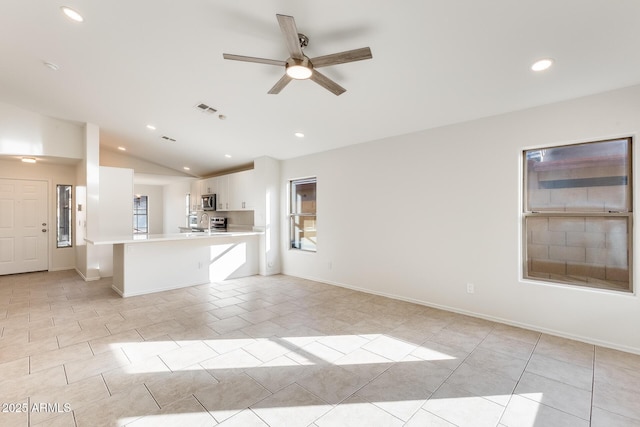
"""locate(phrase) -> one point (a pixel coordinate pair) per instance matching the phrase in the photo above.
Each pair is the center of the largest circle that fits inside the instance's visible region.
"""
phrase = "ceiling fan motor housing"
(304, 40)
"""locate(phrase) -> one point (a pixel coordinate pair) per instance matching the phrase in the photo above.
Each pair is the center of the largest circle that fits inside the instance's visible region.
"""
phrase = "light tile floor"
(282, 351)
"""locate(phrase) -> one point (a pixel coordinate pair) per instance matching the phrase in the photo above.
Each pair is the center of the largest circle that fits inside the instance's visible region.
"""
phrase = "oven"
(218, 223)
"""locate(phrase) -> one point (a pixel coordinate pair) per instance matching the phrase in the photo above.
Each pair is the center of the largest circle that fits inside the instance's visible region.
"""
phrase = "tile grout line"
(259, 417)
(454, 370)
(521, 375)
(207, 411)
(593, 383)
(555, 380)
(105, 384)
(152, 396)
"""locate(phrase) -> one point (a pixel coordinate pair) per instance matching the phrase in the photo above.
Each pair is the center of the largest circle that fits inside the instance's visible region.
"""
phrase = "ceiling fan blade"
(290, 32)
(327, 83)
(280, 85)
(254, 59)
(342, 57)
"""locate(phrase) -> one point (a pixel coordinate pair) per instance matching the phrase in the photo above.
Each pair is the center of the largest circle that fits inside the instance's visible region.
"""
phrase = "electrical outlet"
(470, 288)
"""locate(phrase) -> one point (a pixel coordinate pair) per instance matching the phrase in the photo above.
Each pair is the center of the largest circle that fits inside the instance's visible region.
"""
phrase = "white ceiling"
(133, 63)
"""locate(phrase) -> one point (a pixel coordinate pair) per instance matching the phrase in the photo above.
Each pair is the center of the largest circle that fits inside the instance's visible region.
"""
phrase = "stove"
(218, 223)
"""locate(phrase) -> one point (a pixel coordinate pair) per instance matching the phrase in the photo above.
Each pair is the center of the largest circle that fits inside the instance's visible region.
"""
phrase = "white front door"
(23, 226)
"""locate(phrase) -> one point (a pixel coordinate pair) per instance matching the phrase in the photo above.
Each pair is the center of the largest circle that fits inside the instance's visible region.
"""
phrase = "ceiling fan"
(299, 66)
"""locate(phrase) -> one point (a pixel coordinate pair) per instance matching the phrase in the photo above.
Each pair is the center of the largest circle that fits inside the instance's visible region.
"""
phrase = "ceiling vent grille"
(168, 139)
(206, 109)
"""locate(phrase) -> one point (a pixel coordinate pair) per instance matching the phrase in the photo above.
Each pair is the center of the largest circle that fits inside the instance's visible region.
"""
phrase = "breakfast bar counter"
(145, 264)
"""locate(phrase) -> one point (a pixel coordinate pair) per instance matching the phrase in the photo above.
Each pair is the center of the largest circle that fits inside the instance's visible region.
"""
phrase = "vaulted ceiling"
(130, 64)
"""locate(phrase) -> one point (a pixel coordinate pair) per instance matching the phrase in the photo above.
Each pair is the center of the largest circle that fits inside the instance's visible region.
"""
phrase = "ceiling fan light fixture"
(299, 69)
(299, 72)
(72, 14)
(542, 64)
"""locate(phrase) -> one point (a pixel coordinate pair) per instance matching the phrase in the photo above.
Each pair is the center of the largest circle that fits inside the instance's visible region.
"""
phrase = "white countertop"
(149, 238)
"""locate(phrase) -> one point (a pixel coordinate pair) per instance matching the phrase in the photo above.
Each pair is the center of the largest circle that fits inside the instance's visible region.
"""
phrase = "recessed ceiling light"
(151, 127)
(187, 168)
(28, 159)
(542, 64)
(228, 156)
(299, 134)
(122, 149)
(72, 14)
(51, 65)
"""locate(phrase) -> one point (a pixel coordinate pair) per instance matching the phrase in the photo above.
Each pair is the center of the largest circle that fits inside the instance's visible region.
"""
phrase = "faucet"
(208, 223)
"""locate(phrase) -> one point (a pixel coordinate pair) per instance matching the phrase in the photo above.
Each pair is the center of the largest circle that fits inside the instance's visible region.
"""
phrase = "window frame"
(68, 216)
(137, 215)
(527, 212)
(293, 214)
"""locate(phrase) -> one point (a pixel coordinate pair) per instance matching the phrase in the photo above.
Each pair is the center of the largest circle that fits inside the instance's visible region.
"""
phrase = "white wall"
(25, 133)
(419, 216)
(54, 174)
(87, 207)
(155, 206)
(120, 160)
(116, 211)
(174, 206)
(267, 212)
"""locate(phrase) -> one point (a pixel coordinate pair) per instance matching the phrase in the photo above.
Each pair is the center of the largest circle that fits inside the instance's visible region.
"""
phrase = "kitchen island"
(144, 264)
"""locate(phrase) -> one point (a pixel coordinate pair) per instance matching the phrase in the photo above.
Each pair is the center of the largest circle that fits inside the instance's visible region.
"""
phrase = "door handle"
(44, 230)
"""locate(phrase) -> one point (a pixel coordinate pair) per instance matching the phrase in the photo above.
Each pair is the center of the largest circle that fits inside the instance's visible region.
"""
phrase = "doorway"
(23, 226)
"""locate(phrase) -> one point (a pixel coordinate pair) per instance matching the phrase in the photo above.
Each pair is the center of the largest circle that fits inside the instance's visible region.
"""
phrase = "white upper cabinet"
(222, 192)
(234, 192)
(241, 191)
(209, 186)
(194, 195)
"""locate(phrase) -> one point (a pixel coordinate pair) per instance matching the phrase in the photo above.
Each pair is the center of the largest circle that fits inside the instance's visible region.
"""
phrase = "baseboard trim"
(85, 278)
(168, 288)
(63, 268)
(509, 322)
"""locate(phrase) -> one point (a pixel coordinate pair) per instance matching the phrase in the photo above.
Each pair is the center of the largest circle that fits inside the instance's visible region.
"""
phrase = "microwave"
(208, 202)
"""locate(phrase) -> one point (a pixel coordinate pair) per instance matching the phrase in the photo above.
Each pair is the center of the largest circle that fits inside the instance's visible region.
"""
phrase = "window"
(140, 215)
(63, 216)
(302, 217)
(577, 214)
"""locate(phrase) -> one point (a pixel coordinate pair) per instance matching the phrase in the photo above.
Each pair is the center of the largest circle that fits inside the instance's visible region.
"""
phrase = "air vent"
(168, 139)
(206, 109)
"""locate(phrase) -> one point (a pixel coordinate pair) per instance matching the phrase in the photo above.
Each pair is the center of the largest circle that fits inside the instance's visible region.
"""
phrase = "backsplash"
(237, 218)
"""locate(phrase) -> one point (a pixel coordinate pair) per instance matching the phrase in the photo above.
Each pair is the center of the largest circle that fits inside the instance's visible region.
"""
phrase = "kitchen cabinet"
(209, 186)
(222, 192)
(194, 194)
(234, 192)
(199, 188)
(241, 189)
